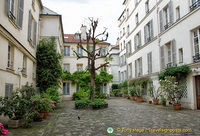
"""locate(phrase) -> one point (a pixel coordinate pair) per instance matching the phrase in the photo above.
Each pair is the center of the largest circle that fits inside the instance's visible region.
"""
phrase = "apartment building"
(19, 34)
(71, 64)
(155, 34)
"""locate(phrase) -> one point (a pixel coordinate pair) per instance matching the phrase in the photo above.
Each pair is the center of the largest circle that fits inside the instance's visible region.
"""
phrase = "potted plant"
(156, 93)
(125, 93)
(139, 91)
(132, 92)
(163, 101)
(173, 90)
(149, 98)
(18, 107)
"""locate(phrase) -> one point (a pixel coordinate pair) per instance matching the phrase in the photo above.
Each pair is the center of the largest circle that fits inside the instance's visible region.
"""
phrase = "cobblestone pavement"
(123, 116)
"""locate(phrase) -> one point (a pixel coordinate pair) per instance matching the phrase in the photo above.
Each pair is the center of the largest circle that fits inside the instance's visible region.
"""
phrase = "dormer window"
(76, 37)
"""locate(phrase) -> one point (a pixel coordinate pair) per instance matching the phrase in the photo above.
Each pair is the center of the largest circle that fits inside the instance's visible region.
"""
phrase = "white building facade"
(156, 34)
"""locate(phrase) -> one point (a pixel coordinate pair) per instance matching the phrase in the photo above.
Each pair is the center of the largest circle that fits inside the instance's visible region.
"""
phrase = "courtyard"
(125, 117)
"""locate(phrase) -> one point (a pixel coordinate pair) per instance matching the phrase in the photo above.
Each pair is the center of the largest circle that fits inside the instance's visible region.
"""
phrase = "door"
(198, 91)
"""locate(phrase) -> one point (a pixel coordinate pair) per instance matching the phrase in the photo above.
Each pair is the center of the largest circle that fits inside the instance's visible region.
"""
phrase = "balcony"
(196, 58)
(171, 64)
(167, 25)
(195, 5)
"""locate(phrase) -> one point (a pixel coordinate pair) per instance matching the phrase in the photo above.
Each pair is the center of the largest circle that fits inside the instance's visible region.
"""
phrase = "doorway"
(197, 79)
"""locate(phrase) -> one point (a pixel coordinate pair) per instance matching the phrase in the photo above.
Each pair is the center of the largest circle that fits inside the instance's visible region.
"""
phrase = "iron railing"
(195, 5)
(196, 58)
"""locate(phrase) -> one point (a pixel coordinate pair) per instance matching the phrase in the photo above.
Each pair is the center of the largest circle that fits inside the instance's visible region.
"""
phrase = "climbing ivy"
(178, 72)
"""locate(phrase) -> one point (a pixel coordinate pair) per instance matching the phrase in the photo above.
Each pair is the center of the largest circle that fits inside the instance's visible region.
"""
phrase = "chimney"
(83, 32)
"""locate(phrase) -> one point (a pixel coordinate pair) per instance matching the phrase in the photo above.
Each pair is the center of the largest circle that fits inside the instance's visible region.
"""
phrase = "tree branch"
(102, 56)
(105, 64)
(79, 57)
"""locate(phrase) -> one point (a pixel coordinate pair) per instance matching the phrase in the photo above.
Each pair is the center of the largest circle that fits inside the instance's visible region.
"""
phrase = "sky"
(76, 12)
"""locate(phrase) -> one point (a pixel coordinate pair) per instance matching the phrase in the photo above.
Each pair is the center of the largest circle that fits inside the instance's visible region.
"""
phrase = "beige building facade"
(19, 34)
(158, 34)
(71, 64)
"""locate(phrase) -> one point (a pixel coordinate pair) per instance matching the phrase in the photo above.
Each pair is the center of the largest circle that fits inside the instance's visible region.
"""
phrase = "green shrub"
(82, 103)
(125, 91)
(97, 103)
(116, 92)
(115, 86)
(100, 96)
(81, 94)
(52, 93)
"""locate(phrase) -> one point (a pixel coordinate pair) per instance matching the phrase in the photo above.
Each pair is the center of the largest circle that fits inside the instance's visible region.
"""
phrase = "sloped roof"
(46, 10)
(69, 38)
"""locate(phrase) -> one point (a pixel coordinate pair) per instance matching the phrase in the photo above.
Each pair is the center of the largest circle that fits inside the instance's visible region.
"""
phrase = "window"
(79, 67)
(67, 67)
(136, 19)
(137, 40)
(15, 11)
(148, 31)
(149, 59)
(171, 52)
(124, 44)
(166, 17)
(24, 68)
(103, 51)
(128, 31)
(128, 48)
(66, 88)
(10, 57)
(147, 6)
(138, 67)
(162, 57)
(136, 2)
(119, 76)
(8, 90)
(80, 51)
(178, 13)
(127, 11)
(67, 51)
(124, 31)
(130, 71)
(196, 42)
(181, 55)
(77, 87)
(105, 88)
(32, 30)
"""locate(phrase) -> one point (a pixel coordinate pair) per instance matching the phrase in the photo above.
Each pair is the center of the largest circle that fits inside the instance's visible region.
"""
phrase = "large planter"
(150, 102)
(177, 106)
(132, 98)
(41, 115)
(46, 113)
(15, 123)
(155, 101)
(139, 99)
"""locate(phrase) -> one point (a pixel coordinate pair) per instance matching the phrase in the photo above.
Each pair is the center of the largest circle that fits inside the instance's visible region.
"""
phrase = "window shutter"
(35, 34)
(171, 14)
(11, 89)
(64, 88)
(140, 42)
(161, 20)
(140, 65)
(151, 29)
(29, 26)
(135, 68)
(7, 7)
(149, 58)
(131, 70)
(145, 34)
(174, 52)
(135, 42)
(6, 90)
(162, 56)
(130, 47)
(68, 89)
(20, 13)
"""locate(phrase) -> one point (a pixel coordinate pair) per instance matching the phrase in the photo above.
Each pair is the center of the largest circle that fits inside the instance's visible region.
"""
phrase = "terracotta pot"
(164, 103)
(150, 102)
(177, 106)
(46, 113)
(41, 115)
(155, 101)
(132, 98)
(139, 99)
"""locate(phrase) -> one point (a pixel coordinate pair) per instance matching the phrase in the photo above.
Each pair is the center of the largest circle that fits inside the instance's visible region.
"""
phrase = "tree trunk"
(92, 79)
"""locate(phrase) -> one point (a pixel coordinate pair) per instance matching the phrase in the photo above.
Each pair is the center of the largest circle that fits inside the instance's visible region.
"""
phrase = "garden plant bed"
(87, 104)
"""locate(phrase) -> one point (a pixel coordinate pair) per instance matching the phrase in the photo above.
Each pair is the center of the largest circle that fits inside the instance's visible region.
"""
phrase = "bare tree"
(94, 53)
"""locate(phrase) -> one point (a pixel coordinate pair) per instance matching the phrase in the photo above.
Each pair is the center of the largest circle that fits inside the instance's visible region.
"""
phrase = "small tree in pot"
(132, 93)
(155, 93)
(139, 92)
(173, 90)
